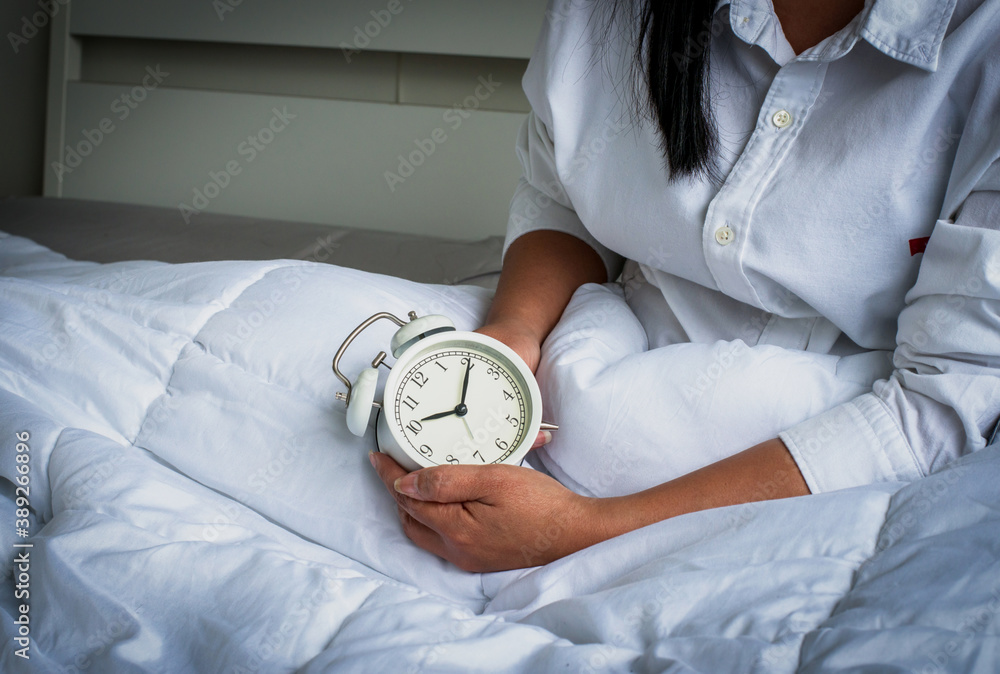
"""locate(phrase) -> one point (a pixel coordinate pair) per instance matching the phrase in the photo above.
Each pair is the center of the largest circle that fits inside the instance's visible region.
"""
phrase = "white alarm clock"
(451, 396)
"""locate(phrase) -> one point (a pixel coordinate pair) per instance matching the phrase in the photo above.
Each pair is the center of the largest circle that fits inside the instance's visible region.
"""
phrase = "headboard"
(395, 115)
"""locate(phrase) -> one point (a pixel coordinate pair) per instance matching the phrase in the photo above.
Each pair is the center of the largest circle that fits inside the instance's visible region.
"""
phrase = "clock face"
(462, 403)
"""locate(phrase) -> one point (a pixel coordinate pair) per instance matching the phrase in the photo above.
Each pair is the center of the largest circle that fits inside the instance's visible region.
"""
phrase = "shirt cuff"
(531, 210)
(853, 444)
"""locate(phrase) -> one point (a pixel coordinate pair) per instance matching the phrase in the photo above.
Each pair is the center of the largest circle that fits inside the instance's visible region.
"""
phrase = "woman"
(809, 210)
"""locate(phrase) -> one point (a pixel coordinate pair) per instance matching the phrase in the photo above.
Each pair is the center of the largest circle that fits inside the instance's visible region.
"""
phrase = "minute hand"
(465, 382)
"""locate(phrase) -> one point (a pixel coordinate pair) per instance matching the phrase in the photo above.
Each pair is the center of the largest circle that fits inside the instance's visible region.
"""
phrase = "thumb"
(448, 484)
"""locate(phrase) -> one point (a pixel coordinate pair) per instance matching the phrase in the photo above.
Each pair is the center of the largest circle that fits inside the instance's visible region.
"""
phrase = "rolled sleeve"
(852, 444)
(943, 399)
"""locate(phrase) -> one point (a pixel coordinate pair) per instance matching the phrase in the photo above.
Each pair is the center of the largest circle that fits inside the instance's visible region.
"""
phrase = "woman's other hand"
(490, 518)
(525, 344)
(518, 337)
(541, 271)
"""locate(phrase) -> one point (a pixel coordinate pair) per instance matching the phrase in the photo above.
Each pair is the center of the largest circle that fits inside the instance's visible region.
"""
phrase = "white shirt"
(837, 162)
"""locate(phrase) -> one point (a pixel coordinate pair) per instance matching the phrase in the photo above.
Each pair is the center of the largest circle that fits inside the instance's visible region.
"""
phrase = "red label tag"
(918, 245)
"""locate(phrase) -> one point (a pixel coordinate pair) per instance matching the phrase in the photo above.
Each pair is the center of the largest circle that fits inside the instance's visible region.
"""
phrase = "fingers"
(421, 534)
(391, 473)
(443, 484)
(430, 486)
(421, 520)
(447, 545)
(388, 470)
(451, 484)
(543, 438)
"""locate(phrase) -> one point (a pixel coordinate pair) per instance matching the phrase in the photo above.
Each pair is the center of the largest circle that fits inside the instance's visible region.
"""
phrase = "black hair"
(671, 51)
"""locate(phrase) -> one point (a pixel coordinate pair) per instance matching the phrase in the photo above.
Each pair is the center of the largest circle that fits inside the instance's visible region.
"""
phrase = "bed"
(197, 504)
(193, 501)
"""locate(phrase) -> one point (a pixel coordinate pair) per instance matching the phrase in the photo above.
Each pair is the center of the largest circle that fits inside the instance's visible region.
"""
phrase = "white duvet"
(197, 505)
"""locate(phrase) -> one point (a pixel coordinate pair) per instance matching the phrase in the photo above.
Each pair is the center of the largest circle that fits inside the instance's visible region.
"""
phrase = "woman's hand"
(490, 518)
(495, 517)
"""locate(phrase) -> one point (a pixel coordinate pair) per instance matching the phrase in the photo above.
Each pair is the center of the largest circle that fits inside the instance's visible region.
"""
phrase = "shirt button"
(724, 236)
(781, 118)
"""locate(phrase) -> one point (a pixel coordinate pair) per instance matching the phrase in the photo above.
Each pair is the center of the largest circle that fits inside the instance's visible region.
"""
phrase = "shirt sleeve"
(540, 200)
(943, 399)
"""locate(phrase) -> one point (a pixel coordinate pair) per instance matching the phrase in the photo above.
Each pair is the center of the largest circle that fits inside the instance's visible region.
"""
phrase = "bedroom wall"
(23, 66)
(369, 90)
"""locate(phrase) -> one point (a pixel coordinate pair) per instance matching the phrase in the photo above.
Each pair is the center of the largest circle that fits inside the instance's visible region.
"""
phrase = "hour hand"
(438, 415)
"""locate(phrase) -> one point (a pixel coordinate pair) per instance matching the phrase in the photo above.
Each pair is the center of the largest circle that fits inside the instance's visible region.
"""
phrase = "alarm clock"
(451, 397)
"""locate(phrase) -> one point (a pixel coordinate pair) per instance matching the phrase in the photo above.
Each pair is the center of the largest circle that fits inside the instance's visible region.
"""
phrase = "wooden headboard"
(395, 115)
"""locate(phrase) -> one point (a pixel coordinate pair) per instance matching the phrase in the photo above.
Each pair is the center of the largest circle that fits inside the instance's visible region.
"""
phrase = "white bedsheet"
(199, 506)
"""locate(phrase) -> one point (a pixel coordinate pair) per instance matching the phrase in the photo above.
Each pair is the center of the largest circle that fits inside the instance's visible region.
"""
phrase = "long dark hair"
(671, 50)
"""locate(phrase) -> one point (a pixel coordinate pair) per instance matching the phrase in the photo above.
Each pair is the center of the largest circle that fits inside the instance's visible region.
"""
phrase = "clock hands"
(465, 383)
(460, 409)
(439, 415)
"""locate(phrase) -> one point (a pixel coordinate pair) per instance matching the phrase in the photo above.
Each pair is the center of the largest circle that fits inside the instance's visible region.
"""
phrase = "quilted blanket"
(181, 494)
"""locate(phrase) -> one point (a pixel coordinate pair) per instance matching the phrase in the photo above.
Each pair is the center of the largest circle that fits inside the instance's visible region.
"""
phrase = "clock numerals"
(473, 414)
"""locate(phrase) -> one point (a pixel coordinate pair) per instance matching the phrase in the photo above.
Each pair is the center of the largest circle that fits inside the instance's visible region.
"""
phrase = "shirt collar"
(755, 22)
(910, 31)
